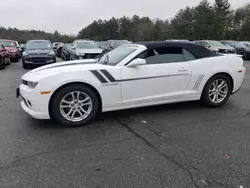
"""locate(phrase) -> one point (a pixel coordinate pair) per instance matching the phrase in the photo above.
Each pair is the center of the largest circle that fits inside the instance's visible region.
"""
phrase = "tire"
(210, 92)
(59, 114)
(2, 63)
(25, 66)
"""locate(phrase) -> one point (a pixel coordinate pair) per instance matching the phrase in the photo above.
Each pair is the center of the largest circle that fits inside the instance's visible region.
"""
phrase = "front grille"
(90, 56)
(25, 82)
(39, 59)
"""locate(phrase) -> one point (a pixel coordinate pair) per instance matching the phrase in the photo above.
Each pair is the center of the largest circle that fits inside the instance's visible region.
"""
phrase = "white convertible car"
(132, 75)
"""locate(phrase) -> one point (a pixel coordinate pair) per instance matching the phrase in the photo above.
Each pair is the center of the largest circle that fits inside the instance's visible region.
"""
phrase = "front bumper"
(39, 60)
(33, 103)
(14, 55)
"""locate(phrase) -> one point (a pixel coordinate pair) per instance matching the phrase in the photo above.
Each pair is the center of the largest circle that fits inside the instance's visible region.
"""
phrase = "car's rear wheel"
(74, 105)
(217, 91)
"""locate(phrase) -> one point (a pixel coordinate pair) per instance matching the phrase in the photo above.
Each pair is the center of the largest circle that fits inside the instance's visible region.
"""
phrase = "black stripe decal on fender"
(99, 76)
(152, 77)
(108, 75)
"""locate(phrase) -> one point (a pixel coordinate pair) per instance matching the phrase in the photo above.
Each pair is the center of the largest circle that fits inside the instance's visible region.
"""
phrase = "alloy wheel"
(218, 91)
(75, 106)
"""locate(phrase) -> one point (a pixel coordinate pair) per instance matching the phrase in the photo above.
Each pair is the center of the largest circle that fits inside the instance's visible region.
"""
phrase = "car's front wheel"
(74, 105)
(2, 63)
(25, 66)
(217, 90)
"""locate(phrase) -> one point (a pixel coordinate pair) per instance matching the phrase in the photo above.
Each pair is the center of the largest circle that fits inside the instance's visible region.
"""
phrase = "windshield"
(118, 54)
(38, 45)
(8, 43)
(227, 44)
(216, 44)
(86, 45)
(237, 44)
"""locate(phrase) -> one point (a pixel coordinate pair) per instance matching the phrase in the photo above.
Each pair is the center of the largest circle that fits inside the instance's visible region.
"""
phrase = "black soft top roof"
(196, 50)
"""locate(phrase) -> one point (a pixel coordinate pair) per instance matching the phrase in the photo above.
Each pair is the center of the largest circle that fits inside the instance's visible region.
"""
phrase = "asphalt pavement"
(182, 145)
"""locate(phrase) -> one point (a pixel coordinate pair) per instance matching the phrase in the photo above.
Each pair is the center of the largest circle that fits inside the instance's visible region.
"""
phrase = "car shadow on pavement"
(107, 116)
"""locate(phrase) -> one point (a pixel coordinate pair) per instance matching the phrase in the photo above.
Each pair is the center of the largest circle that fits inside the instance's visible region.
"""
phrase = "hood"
(67, 66)
(38, 51)
(90, 51)
(11, 49)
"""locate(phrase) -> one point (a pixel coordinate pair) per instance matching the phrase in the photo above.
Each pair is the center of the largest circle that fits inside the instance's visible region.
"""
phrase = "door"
(163, 79)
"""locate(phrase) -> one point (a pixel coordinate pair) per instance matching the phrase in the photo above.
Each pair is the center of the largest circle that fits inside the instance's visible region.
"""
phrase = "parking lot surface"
(177, 145)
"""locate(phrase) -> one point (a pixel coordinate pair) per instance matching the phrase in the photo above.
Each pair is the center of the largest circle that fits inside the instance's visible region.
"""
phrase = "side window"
(187, 55)
(163, 55)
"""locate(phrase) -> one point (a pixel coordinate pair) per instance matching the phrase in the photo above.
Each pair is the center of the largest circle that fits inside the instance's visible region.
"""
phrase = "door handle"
(182, 70)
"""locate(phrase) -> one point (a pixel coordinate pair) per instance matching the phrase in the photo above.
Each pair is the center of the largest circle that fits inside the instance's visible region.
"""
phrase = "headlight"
(32, 85)
(25, 54)
(52, 53)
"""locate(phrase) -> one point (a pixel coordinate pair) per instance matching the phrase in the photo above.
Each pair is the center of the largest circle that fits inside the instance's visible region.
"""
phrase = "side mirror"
(73, 48)
(207, 46)
(137, 62)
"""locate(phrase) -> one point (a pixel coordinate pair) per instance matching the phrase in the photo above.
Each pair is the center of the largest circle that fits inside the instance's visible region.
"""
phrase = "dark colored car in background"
(55, 45)
(37, 53)
(66, 51)
(59, 49)
(21, 49)
(240, 48)
(12, 48)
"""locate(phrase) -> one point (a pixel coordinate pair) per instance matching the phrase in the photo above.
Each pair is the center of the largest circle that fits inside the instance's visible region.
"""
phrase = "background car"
(12, 48)
(216, 46)
(239, 47)
(59, 49)
(55, 44)
(85, 49)
(37, 53)
(21, 49)
(66, 51)
(4, 57)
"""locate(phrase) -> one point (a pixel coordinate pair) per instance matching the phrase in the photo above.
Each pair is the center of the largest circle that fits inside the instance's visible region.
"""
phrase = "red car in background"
(12, 48)
(4, 57)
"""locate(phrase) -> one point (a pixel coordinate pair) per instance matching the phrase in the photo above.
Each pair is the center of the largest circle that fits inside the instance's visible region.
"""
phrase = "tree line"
(216, 21)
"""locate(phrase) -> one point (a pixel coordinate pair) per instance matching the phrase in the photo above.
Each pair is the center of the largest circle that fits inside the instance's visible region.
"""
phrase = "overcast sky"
(69, 16)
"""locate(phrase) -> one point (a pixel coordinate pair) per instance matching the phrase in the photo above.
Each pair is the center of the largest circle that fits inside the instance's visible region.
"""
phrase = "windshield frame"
(36, 47)
(126, 57)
